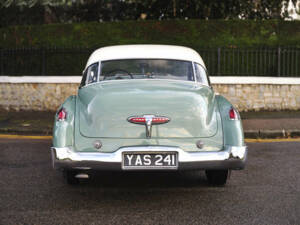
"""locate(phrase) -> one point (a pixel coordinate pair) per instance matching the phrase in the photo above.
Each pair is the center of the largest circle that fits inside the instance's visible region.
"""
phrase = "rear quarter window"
(90, 75)
(201, 75)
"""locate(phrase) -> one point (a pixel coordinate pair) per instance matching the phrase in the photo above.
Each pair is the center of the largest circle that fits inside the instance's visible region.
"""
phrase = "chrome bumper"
(232, 157)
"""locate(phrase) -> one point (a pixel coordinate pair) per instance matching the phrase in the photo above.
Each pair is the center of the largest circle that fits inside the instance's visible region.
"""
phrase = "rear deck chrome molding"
(231, 157)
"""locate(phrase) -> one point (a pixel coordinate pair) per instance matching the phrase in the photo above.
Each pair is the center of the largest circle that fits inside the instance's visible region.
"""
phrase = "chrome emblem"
(148, 121)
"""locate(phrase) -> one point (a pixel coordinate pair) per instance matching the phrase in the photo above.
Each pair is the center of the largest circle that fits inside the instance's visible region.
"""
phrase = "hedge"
(193, 33)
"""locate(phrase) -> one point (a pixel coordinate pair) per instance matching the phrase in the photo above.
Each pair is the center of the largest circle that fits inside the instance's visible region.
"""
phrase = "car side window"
(92, 73)
(201, 74)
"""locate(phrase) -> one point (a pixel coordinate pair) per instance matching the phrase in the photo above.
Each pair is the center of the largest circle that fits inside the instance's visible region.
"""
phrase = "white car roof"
(145, 52)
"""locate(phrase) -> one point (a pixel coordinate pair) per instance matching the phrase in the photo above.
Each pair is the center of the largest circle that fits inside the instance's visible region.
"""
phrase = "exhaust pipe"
(82, 176)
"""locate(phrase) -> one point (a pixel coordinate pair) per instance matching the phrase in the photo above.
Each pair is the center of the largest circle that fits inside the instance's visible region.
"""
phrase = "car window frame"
(84, 80)
(84, 76)
(206, 73)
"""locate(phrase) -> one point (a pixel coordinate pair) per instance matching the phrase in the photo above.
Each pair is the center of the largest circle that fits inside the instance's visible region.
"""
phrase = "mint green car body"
(100, 113)
(80, 130)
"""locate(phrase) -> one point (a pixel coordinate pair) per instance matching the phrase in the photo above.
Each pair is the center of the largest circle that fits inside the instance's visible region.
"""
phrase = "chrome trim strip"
(126, 80)
(99, 72)
(194, 72)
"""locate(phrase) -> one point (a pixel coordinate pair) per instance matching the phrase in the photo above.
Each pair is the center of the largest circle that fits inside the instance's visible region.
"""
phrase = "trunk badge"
(148, 121)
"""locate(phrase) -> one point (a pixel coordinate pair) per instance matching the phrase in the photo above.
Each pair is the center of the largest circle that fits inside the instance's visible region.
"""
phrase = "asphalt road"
(266, 192)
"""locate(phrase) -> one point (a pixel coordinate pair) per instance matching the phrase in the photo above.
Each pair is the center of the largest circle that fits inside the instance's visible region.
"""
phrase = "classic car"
(147, 107)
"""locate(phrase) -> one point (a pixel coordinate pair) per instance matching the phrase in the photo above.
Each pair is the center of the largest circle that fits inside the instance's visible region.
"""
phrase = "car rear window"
(146, 69)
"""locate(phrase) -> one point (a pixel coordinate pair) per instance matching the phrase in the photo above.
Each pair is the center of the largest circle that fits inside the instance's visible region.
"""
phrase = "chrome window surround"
(99, 71)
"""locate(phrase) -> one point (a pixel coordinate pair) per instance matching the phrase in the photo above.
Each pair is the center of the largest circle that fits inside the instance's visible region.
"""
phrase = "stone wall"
(32, 96)
(46, 93)
(248, 97)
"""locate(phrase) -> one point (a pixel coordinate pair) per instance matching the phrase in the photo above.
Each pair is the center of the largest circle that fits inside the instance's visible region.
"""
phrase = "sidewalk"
(271, 124)
(26, 123)
(256, 124)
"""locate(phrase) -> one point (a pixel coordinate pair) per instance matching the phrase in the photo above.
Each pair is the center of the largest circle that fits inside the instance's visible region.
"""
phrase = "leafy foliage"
(192, 33)
(68, 11)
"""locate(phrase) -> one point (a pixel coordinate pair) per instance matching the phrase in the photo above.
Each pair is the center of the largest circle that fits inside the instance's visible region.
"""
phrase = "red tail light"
(233, 114)
(140, 120)
(160, 120)
(146, 118)
(62, 114)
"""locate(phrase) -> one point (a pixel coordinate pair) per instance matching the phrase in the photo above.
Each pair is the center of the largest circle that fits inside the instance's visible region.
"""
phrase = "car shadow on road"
(142, 180)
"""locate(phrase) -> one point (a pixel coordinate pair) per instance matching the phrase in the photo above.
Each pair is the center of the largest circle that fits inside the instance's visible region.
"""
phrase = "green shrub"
(192, 33)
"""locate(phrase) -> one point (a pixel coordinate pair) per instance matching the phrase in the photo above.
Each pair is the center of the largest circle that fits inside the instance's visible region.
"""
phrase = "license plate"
(157, 160)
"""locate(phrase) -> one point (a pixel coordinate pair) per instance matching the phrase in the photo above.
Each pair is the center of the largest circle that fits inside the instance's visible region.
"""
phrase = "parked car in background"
(147, 107)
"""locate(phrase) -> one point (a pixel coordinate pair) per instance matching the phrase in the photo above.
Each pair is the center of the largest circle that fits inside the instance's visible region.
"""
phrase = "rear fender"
(232, 129)
(63, 131)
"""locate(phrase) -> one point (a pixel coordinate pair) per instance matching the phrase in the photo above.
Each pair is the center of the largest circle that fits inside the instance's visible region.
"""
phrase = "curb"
(263, 134)
(24, 131)
(252, 134)
(17, 136)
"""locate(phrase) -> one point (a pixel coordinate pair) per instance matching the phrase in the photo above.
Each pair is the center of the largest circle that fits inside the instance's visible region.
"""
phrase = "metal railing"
(281, 61)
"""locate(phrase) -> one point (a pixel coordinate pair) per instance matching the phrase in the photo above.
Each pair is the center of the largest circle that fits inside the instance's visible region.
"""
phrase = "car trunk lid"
(104, 109)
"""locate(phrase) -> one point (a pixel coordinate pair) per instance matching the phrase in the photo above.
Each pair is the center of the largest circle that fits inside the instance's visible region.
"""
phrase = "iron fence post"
(1, 61)
(296, 65)
(43, 61)
(278, 62)
(219, 61)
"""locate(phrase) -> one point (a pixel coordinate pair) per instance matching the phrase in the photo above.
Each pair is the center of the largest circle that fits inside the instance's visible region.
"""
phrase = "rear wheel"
(217, 177)
(70, 178)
